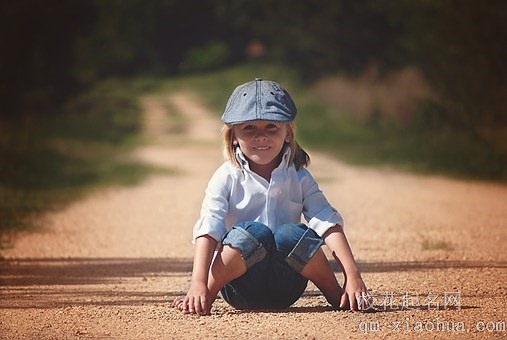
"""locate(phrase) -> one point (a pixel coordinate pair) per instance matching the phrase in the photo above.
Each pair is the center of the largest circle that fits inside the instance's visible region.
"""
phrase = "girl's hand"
(355, 295)
(197, 301)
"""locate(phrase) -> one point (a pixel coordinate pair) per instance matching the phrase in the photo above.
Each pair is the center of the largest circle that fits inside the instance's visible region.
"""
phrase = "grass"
(451, 153)
(436, 245)
(48, 161)
(380, 140)
(214, 88)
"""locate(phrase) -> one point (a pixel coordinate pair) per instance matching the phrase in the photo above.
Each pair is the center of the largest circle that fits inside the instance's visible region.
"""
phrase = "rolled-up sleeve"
(317, 211)
(214, 207)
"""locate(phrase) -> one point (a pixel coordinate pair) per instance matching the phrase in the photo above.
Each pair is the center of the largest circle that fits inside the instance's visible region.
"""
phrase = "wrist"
(352, 273)
(199, 279)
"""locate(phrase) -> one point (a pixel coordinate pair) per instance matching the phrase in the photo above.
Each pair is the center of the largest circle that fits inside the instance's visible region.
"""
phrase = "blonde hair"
(298, 156)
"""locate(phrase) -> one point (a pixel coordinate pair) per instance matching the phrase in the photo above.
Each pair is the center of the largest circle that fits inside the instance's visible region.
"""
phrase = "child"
(251, 216)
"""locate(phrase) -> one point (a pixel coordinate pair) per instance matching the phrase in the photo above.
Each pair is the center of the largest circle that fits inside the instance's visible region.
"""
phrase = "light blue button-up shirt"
(237, 195)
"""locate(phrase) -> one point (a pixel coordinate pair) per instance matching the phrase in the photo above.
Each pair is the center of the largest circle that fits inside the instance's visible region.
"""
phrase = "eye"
(271, 126)
(248, 127)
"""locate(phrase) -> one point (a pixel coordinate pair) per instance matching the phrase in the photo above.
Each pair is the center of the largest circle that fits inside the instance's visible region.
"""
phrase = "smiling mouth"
(261, 148)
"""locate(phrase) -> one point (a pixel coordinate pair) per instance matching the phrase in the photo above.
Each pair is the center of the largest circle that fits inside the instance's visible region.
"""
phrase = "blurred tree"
(460, 46)
(50, 48)
(317, 37)
(120, 41)
(35, 37)
(158, 36)
(204, 58)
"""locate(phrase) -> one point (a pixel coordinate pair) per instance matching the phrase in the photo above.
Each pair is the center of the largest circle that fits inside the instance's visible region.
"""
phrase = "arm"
(207, 230)
(354, 286)
(198, 299)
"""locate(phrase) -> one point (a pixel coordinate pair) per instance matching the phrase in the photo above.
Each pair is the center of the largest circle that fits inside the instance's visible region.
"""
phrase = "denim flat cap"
(259, 100)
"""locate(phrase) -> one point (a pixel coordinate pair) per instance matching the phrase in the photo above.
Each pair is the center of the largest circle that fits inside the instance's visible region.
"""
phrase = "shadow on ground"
(67, 282)
(76, 271)
(403, 266)
(74, 282)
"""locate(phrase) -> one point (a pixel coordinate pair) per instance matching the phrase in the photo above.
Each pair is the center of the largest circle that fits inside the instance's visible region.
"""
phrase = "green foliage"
(321, 126)
(215, 87)
(205, 58)
(121, 41)
(410, 147)
(318, 37)
(156, 37)
(459, 47)
(35, 40)
(47, 162)
(457, 44)
(51, 49)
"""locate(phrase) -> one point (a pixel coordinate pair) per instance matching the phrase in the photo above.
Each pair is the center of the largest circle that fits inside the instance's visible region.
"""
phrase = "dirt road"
(432, 251)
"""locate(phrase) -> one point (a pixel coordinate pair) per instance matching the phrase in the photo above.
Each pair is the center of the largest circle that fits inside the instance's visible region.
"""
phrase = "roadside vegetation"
(49, 161)
(414, 139)
(416, 85)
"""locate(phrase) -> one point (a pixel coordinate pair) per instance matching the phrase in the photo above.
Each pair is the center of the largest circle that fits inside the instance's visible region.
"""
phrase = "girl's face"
(261, 141)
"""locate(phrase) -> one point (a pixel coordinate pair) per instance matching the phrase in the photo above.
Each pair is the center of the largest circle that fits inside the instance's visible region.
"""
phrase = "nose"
(260, 135)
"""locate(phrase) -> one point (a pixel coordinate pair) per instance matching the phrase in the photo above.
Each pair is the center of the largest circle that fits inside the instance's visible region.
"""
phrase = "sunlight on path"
(108, 265)
(201, 124)
(155, 121)
(153, 219)
(388, 214)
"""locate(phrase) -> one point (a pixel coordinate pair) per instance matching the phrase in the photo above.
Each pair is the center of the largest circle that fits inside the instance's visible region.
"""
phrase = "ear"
(288, 137)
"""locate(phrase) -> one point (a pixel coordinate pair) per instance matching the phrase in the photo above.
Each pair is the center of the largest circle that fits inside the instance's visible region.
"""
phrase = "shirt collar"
(240, 156)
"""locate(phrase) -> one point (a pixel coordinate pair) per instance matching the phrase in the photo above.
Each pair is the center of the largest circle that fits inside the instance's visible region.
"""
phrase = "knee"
(260, 232)
(288, 235)
(297, 244)
(254, 241)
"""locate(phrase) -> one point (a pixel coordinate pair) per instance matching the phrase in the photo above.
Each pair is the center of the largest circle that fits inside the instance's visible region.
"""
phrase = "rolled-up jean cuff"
(301, 254)
(251, 250)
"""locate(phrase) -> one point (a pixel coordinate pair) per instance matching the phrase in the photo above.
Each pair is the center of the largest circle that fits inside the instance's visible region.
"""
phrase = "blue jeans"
(274, 261)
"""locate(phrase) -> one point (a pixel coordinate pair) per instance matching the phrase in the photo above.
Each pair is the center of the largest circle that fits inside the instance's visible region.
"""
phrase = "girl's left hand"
(355, 295)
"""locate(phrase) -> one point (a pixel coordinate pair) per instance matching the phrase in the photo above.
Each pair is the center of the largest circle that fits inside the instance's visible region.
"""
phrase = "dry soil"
(431, 249)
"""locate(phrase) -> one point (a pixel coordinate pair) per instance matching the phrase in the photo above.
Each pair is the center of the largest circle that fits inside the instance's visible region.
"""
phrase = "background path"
(109, 265)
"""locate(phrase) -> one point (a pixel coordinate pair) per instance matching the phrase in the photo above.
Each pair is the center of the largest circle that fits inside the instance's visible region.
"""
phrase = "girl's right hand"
(197, 301)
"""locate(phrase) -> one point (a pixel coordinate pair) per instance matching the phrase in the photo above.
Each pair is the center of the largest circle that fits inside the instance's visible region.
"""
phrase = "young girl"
(250, 244)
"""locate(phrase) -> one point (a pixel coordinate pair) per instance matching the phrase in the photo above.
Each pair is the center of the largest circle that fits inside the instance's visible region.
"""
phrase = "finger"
(182, 308)
(367, 302)
(177, 303)
(197, 305)
(189, 306)
(180, 304)
(343, 302)
(205, 306)
(353, 299)
(363, 301)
